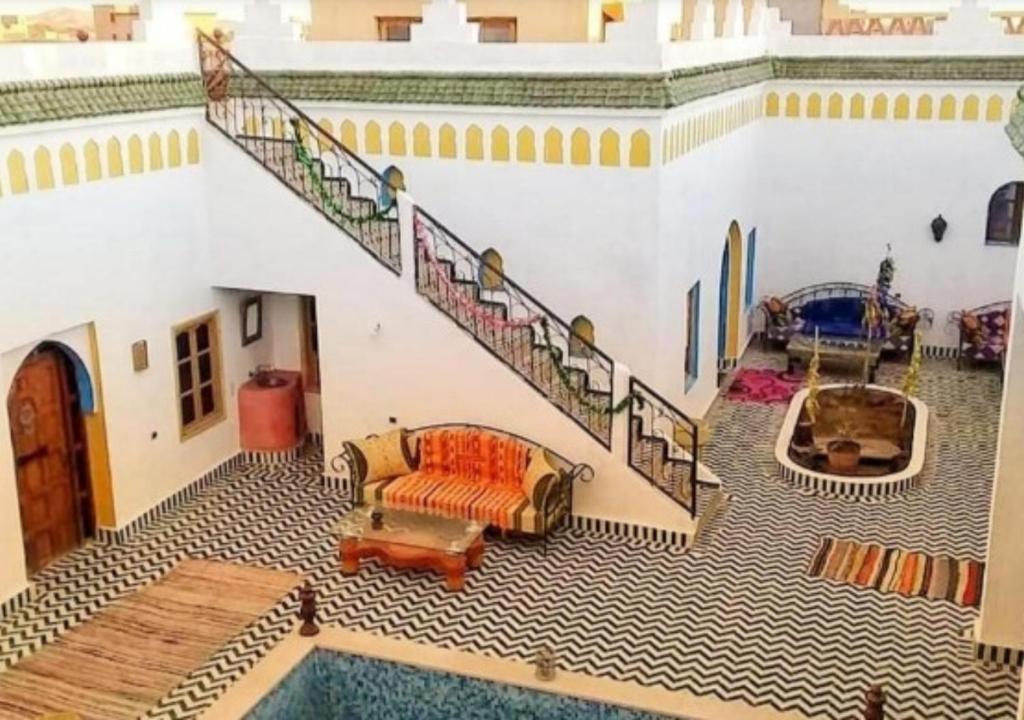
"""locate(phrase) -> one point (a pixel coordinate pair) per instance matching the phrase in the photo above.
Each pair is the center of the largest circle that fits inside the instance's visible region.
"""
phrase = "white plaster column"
(444, 21)
(969, 22)
(162, 23)
(703, 27)
(1001, 622)
(758, 18)
(647, 21)
(733, 19)
(264, 19)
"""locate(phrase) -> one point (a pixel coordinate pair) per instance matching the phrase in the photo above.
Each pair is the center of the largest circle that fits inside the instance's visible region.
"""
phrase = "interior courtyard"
(511, 358)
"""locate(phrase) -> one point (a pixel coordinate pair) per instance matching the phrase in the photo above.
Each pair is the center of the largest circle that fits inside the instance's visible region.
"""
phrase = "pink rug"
(763, 386)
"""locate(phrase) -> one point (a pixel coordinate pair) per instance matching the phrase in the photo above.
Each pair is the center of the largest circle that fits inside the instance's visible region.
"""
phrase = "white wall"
(1001, 622)
(123, 253)
(700, 195)
(582, 240)
(833, 193)
(420, 367)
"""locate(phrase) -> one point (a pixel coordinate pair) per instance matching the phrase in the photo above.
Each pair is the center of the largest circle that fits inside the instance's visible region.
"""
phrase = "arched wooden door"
(50, 458)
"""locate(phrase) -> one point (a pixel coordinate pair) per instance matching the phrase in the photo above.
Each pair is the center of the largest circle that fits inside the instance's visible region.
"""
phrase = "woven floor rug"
(892, 570)
(763, 386)
(122, 661)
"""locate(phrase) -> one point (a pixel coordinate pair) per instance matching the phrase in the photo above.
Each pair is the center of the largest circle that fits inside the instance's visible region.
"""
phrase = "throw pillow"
(539, 475)
(778, 311)
(908, 317)
(382, 457)
(971, 325)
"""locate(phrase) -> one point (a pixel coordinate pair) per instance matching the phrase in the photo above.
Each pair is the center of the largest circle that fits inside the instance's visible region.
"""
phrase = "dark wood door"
(39, 406)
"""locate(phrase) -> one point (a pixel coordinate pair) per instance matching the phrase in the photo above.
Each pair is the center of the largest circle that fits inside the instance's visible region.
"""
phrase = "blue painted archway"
(83, 381)
(723, 304)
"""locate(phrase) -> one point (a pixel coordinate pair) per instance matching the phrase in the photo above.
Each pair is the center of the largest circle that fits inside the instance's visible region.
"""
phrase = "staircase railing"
(660, 423)
(572, 373)
(251, 114)
(542, 348)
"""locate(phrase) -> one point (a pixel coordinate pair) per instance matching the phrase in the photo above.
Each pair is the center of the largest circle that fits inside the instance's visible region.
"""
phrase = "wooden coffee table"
(833, 351)
(411, 540)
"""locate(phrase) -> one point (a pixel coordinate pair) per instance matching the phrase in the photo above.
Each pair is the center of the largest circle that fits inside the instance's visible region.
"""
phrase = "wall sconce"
(939, 226)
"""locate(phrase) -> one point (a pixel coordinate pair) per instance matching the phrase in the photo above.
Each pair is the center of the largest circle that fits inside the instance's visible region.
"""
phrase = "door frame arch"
(733, 305)
(78, 398)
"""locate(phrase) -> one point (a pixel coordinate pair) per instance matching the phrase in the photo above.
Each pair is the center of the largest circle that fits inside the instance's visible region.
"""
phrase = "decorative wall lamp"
(939, 226)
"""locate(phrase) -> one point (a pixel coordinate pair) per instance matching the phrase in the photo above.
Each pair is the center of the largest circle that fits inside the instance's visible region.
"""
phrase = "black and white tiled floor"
(736, 617)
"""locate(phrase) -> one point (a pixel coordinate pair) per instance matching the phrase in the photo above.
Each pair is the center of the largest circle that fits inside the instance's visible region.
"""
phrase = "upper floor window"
(197, 358)
(1004, 215)
(395, 29)
(496, 29)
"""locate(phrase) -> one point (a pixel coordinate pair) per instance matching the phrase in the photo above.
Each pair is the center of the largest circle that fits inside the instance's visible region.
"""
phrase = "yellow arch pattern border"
(66, 164)
(891, 105)
(685, 135)
(500, 143)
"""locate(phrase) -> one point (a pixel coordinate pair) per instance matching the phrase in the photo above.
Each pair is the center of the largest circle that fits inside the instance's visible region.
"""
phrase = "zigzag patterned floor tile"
(736, 617)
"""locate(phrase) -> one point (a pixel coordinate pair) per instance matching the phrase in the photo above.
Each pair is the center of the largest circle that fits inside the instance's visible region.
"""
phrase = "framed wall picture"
(252, 319)
(140, 355)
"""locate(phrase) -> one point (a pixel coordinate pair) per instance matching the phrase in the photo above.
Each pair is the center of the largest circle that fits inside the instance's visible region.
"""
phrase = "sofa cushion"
(504, 506)
(473, 454)
(377, 458)
(539, 476)
(841, 309)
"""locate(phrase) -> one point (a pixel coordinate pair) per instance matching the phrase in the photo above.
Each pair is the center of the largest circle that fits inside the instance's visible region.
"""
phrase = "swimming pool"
(331, 685)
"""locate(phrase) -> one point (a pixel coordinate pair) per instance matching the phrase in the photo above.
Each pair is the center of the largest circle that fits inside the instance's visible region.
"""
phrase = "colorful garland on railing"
(488, 317)
(563, 376)
(303, 157)
(423, 239)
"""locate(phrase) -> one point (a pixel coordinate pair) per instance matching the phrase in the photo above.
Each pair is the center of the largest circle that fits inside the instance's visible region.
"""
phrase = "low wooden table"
(411, 540)
(847, 352)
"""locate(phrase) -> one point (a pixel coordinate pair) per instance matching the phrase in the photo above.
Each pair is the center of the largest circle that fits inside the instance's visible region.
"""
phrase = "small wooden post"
(307, 610)
(546, 664)
(874, 707)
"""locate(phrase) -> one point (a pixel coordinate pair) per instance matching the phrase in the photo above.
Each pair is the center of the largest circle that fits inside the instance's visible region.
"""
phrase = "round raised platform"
(847, 485)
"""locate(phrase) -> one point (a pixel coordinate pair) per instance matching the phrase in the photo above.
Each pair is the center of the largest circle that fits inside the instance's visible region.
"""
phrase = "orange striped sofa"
(465, 471)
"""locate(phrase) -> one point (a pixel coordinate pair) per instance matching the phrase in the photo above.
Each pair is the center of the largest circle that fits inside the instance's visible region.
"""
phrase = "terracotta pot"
(844, 456)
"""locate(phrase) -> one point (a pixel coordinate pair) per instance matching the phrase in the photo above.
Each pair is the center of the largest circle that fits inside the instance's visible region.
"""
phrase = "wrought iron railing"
(572, 373)
(663, 445)
(305, 157)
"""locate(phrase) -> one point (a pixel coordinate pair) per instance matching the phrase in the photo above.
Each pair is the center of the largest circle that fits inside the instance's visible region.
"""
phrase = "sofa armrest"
(347, 471)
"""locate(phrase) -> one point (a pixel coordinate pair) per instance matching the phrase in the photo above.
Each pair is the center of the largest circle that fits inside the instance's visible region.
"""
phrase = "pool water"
(330, 685)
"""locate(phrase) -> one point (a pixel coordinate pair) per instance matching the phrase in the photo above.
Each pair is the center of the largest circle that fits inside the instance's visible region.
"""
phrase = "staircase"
(573, 375)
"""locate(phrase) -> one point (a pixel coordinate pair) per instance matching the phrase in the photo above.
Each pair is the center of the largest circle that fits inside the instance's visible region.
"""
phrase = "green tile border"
(42, 101)
(932, 68)
(50, 100)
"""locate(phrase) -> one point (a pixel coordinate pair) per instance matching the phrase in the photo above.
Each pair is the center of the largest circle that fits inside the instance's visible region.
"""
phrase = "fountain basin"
(893, 453)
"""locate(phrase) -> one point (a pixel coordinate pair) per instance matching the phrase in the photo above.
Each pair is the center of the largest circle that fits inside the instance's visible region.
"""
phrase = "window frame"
(201, 423)
(1018, 211)
(691, 356)
(751, 259)
(309, 327)
(508, 21)
(384, 20)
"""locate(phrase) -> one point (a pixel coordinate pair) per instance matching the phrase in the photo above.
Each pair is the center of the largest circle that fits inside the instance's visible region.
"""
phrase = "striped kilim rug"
(125, 658)
(892, 570)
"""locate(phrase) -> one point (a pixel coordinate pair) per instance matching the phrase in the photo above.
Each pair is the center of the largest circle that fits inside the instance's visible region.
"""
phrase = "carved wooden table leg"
(475, 555)
(454, 572)
(348, 553)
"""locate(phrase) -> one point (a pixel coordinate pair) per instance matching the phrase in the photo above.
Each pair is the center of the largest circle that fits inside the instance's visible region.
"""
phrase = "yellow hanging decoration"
(813, 382)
